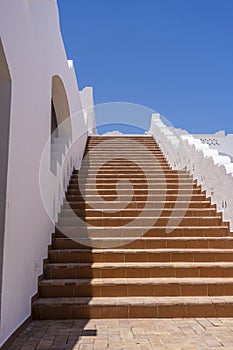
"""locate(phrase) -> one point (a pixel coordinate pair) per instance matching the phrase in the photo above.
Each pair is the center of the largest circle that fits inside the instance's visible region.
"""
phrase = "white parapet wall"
(33, 51)
(213, 171)
(219, 140)
(223, 143)
(88, 109)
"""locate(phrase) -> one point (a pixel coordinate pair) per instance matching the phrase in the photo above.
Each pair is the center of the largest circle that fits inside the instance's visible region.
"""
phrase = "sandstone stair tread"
(142, 264)
(135, 300)
(138, 281)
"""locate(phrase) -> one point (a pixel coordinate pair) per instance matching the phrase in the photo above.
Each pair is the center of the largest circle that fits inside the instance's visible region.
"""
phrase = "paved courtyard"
(119, 334)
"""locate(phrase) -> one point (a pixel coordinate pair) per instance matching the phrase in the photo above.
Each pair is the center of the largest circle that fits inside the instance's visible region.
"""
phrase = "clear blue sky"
(173, 56)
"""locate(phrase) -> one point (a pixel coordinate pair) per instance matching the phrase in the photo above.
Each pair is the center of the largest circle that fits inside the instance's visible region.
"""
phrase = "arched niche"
(60, 111)
(5, 109)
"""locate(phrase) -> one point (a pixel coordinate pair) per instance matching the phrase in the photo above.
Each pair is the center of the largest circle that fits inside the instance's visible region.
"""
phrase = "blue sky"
(172, 56)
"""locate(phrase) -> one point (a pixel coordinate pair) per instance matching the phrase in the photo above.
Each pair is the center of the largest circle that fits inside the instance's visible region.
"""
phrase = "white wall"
(223, 143)
(89, 114)
(34, 50)
(213, 171)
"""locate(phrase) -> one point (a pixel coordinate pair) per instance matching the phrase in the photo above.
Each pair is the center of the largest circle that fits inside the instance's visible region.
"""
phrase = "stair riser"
(126, 290)
(159, 181)
(109, 222)
(133, 164)
(120, 151)
(126, 160)
(130, 173)
(162, 180)
(173, 173)
(113, 192)
(140, 205)
(140, 198)
(116, 164)
(134, 213)
(133, 311)
(60, 243)
(138, 272)
(74, 186)
(70, 257)
(158, 174)
(119, 154)
(152, 232)
(125, 146)
(122, 140)
(123, 153)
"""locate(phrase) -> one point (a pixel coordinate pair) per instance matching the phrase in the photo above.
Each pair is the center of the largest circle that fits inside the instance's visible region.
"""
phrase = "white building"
(38, 91)
(33, 72)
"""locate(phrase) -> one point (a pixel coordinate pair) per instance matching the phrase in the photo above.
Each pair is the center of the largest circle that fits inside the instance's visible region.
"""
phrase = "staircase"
(101, 266)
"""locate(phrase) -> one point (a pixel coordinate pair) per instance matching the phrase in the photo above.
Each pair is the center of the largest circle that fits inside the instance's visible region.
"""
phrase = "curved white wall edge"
(213, 171)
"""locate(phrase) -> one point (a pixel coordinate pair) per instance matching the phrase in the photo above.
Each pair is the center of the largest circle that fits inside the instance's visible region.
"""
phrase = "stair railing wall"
(213, 172)
(63, 164)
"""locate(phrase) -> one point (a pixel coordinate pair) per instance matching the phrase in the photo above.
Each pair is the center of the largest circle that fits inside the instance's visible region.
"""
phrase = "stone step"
(136, 270)
(157, 170)
(122, 138)
(169, 185)
(123, 142)
(131, 148)
(137, 197)
(120, 152)
(161, 177)
(125, 173)
(123, 156)
(99, 179)
(102, 181)
(124, 145)
(186, 212)
(132, 307)
(142, 204)
(169, 171)
(147, 243)
(98, 165)
(127, 287)
(141, 221)
(131, 161)
(140, 255)
(136, 191)
(138, 171)
(75, 232)
(157, 175)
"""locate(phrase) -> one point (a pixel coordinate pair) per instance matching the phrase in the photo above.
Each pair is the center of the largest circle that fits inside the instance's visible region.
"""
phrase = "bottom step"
(132, 307)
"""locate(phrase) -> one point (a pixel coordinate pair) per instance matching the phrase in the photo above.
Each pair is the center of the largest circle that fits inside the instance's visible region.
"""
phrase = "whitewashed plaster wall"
(219, 140)
(223, 143)
(213, 171)
(88, 109)
(34, 50)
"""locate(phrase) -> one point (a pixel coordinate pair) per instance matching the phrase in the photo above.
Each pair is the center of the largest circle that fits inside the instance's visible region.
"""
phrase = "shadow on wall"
(61, 133)
(61, 106)
(5, 109)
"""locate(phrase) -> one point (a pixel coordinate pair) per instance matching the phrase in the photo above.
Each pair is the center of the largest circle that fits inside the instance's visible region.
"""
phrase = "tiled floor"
(119, 334)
